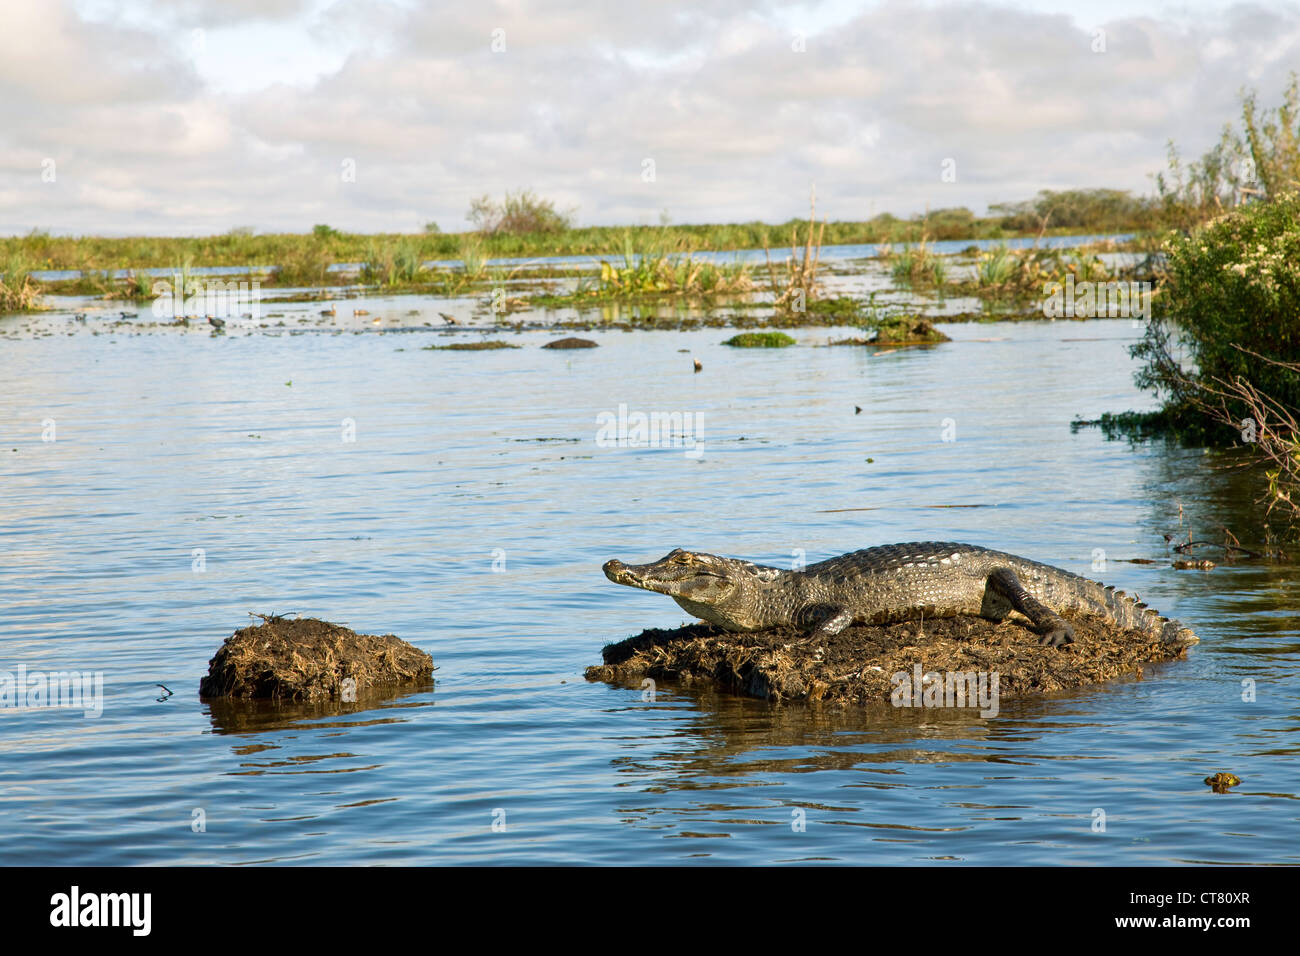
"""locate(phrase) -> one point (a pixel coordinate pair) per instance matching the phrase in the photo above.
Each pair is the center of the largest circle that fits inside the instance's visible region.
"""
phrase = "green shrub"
(519, 213)
(1232, 295)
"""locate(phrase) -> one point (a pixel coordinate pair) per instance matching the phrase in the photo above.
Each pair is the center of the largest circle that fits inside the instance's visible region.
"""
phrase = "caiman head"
(711, 588)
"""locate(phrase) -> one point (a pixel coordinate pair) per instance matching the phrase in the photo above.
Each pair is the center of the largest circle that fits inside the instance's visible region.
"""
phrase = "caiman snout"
(634, 575)
(616, 571)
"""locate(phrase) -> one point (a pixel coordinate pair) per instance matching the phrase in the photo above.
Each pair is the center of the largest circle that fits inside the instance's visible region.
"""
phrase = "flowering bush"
(1229, 305)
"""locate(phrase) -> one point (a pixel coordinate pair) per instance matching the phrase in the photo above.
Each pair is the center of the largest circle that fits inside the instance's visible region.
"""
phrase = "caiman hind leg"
(1053, 629)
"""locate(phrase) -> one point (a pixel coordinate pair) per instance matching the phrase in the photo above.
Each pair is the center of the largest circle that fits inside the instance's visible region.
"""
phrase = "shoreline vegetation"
(636, 261)
(308, 255)
(1222, 347)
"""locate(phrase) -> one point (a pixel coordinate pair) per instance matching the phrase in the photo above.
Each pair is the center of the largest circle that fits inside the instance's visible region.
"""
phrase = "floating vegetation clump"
(760, 340)
(485, 346)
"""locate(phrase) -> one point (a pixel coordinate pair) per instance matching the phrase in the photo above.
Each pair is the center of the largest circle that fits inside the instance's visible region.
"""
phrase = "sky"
(193, 117)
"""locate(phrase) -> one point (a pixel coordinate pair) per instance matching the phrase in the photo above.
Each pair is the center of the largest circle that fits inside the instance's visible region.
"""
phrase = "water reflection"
(255, 716)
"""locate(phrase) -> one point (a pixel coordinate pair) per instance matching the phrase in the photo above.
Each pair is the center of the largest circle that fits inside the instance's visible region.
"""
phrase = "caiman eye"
(684, 558)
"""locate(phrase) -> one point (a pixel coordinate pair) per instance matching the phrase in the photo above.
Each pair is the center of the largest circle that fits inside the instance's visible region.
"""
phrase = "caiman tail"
(1123, 610)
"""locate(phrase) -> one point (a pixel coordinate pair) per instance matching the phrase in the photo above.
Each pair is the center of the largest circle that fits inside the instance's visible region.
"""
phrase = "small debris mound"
(900, 330)
(1222, 781)
(858, 665)
(572, 342)
(305, 659)
(908, 331)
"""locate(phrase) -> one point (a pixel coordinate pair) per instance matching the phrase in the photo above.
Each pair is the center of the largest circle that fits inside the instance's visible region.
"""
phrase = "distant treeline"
(1091, 210)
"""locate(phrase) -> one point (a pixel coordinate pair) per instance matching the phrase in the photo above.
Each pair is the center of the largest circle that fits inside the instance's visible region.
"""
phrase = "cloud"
(736, 106)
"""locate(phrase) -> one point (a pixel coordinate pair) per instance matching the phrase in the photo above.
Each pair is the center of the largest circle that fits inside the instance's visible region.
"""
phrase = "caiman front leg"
(836, 619)
(1053, 629)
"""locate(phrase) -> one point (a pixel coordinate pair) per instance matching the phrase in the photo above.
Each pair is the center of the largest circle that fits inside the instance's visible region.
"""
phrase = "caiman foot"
(1052, 629)
(1058, 636)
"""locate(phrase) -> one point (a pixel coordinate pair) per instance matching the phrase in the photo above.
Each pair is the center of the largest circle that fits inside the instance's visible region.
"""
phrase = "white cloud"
(153, 136)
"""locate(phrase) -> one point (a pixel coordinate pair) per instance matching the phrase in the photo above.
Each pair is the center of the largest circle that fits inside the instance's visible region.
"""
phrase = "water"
(167, 443)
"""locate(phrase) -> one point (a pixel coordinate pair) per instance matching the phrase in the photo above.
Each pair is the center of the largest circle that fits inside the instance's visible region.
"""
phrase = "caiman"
(887, 585)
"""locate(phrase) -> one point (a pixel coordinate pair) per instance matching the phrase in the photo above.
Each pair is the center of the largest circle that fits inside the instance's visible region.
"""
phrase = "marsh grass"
(473, 258)
(304, 265)
(393, 263)
(137, 286)
(19, 292)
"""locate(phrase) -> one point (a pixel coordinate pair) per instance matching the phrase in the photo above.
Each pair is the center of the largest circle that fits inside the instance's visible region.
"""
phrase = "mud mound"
(572, 342)
(858, 665)
(303, 659)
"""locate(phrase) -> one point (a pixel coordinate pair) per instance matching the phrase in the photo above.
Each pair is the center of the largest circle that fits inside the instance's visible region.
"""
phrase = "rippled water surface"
(167, 443)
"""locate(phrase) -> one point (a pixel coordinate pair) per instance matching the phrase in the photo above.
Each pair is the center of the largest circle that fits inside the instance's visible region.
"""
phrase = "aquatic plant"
(996, 267)
(1002, 273)
(918, 266)
(643, 272)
